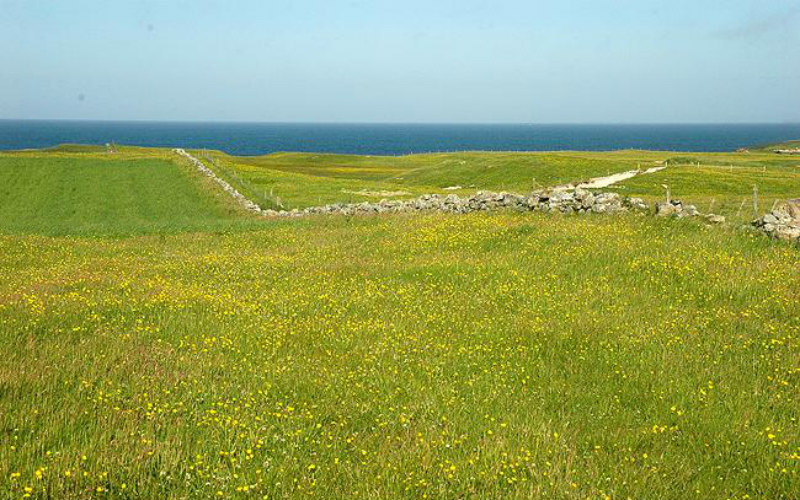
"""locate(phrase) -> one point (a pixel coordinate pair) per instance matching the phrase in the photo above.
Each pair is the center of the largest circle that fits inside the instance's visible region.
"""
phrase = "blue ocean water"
(391, 139)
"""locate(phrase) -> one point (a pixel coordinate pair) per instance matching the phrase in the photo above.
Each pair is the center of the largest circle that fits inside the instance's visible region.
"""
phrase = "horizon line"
(256, 122)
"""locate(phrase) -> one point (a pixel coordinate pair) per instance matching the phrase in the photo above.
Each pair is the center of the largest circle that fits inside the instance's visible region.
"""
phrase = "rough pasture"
(438, 356)
(156, 341)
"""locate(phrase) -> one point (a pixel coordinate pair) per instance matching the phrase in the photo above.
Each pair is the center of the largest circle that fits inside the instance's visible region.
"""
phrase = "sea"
(391, 139)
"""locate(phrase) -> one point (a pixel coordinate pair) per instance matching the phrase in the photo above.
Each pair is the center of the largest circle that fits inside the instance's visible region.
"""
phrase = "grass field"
(719, 181)
(722, 189)
(410, 356)
(302, 179)
(62, 193)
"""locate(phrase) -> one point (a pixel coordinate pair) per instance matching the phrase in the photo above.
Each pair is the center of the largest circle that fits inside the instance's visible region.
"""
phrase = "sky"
(405, 61)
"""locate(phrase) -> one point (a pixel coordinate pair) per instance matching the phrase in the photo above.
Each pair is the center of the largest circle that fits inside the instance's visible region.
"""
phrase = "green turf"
(57, 194)
(149, 198)
(187, 350)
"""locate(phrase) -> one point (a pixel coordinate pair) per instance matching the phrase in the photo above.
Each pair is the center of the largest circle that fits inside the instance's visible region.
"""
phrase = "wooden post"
(755, 200)
(667, 188)
(711, 205)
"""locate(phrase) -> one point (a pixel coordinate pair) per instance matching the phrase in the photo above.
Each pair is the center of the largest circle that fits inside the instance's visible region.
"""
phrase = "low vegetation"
(83, 194)
(718, 182)
(721, 189)
(157, 342)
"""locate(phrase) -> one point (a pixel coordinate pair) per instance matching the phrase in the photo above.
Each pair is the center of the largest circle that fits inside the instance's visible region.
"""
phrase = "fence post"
(755, 200)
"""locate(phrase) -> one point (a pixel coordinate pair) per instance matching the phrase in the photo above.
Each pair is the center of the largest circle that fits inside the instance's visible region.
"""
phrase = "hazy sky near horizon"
(607, 61)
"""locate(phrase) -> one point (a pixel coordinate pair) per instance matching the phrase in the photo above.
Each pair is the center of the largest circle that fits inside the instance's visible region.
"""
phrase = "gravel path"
(609, 180)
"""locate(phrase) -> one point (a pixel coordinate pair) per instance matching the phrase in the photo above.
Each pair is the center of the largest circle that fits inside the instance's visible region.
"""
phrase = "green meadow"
(721, 182)
(156, 341)
(73, 194)
(723, 189)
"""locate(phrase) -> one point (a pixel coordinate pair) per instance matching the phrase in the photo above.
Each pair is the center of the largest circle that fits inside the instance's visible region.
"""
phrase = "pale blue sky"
(606, 61)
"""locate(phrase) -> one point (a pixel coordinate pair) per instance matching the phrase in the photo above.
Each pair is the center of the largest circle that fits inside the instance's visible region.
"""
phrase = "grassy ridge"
(720, 182)
(478, 356)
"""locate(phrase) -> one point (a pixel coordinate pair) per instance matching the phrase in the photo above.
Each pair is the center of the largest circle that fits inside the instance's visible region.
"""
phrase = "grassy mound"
(769, 148)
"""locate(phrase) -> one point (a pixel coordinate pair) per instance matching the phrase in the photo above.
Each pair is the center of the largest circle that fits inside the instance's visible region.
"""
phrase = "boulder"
(787, 232)
(637, 203)
(783, 222)
(690, 211)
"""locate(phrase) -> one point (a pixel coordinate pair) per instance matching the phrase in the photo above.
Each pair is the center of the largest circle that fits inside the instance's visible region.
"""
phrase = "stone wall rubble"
(783, 222)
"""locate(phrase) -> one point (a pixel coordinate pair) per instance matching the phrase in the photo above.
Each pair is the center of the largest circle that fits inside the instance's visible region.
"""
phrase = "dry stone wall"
(239, 197)
(577, 201)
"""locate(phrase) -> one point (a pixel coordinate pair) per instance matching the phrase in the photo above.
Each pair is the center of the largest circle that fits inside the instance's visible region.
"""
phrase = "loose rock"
(782, 223)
